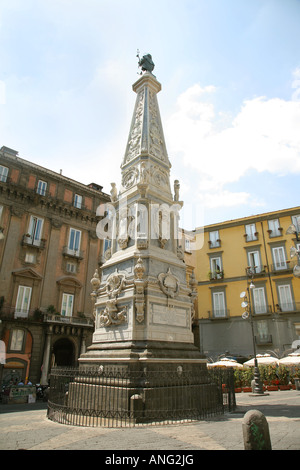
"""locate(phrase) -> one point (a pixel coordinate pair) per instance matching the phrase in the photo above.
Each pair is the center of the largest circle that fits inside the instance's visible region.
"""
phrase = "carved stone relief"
(139, 282)
(111, 316)
(169, 284)
(115, 284)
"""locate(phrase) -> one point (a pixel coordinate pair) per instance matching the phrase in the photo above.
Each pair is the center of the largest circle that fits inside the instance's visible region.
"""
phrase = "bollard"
(136, 407)
(256, 431)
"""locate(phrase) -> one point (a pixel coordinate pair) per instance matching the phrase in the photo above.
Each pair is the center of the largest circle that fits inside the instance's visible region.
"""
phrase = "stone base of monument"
(128, 392)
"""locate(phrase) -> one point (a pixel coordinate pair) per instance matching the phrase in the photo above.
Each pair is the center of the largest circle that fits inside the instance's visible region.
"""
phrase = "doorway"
(64, 354)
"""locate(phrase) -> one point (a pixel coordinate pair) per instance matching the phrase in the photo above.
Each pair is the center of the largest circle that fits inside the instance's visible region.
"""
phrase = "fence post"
(256, 431)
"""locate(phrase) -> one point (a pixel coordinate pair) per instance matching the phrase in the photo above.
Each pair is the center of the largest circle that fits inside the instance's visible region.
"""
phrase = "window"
(106, 245)
(259, 300)
(216, 268)
(74, 241)
(41, 188)
(286, 303)
(187, 245)
(251, 233)
(263, 332)
(23, 301)
(219, 309)
(34, 231)
(67, 305)
(17, 340)
(3, 173)
(30, 258)
(254, 262)
(71, 268)
(274, 228)
(214, 239)
(279, 258)
(296, 222)
(78, 201)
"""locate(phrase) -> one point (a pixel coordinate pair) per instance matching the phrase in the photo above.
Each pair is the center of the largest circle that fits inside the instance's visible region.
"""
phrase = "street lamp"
(246, 296)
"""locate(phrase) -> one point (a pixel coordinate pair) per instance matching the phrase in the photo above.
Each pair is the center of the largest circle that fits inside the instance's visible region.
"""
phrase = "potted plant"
(246, 381)
(283, 377)
(238, 376)
(272, 378)
(37, 315)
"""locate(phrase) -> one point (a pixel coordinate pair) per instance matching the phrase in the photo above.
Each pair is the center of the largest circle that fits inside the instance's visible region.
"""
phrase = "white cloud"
(263, 136)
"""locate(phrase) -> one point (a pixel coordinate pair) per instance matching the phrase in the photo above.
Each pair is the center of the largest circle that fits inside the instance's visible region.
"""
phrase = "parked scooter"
(42, 392)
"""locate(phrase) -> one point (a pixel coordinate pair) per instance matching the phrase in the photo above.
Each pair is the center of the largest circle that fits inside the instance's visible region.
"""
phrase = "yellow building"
(233, 254)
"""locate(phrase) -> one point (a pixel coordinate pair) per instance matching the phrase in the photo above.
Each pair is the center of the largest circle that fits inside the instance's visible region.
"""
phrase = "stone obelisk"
(143, 305)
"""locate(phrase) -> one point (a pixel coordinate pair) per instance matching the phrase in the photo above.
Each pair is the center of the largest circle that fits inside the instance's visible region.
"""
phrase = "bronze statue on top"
(146, 63)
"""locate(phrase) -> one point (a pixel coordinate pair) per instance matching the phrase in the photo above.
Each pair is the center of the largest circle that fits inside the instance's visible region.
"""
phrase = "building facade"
(235, 253)
(49, 251)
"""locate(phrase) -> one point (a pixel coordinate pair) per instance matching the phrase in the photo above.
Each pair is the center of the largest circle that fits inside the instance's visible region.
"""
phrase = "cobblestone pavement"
(27, 427)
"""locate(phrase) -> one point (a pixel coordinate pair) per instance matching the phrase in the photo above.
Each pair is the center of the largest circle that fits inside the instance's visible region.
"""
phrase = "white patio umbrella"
(226, 362)
(292, 359)
(262, 359)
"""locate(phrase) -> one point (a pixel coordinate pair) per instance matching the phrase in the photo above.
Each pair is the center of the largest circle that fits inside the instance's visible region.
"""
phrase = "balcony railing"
(12, 313)
(283, 266)
(262, 309)
(73, 253)
(282, 307)
(219, 314)
(28, 240)
(259, 270)
(55, 318)
(215, 275)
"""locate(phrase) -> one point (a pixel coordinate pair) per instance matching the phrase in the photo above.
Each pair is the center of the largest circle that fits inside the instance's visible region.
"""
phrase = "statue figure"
(146, 63)
(176, 190)
(113, 192)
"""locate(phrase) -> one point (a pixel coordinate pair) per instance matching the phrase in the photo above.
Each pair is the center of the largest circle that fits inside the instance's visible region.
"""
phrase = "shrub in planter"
(283, 375)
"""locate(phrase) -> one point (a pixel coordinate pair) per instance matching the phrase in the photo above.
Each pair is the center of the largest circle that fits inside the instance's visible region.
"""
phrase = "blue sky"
(230, 99)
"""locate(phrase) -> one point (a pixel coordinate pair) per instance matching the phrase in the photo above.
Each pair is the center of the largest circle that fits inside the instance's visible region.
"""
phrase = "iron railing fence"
(122, 398)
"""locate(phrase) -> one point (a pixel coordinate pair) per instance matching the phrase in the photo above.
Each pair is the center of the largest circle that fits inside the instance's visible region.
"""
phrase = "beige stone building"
(49, 251)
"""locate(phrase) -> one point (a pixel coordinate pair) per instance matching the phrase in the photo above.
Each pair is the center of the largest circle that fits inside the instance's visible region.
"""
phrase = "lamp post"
(258, 389)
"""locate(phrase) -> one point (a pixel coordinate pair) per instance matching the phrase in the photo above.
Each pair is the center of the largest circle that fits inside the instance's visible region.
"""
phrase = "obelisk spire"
(146, 152)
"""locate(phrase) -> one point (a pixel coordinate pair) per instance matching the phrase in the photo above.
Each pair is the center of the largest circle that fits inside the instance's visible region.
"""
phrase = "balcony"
(12, 313)
(291, 306)
(251, 237)
(29, 240)
(78, 254)
(260, 270)
(283, 266)
(214, 243)
(262, 309)
(219, 314)
(59, 319)
(216, 275)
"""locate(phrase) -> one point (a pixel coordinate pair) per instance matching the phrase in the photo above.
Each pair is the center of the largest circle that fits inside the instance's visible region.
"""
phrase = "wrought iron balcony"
(259, 270)
(216, 275)
(292, 306)
(219, 314)
(283, 266)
